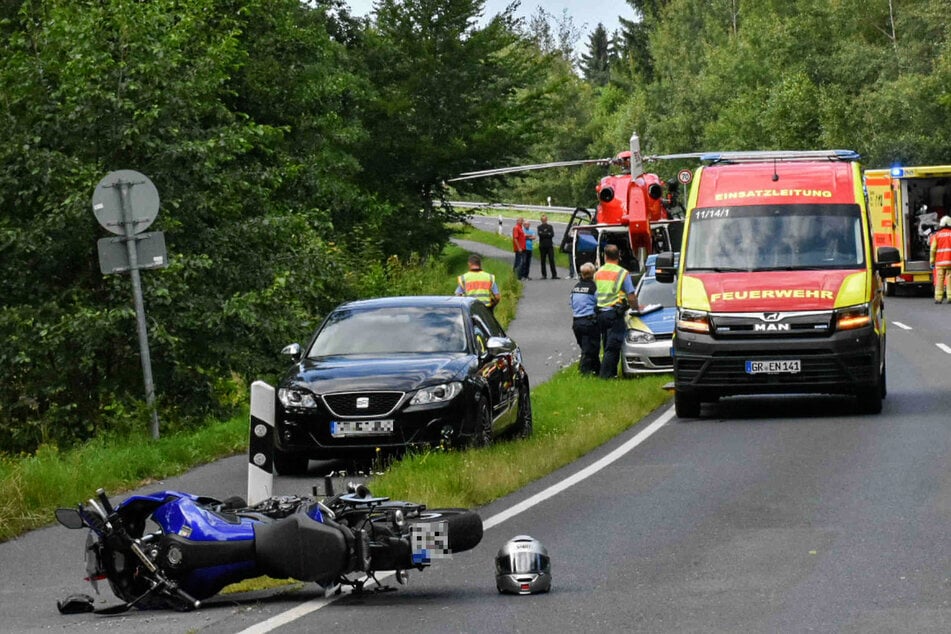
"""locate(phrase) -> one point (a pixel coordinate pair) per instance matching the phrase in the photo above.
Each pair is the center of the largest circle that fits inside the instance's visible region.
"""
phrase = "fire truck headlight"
(853, 317)
(693, 321)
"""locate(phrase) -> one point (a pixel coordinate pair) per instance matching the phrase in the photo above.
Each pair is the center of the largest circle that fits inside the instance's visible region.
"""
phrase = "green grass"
(31, 488)
(573, 414)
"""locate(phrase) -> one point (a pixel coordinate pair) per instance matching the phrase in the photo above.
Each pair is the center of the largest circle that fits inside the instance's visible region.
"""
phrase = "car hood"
(361, 372)
(658, 322)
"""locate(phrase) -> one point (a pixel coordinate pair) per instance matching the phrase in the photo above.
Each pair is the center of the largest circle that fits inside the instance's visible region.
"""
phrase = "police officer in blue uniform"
(584, 304)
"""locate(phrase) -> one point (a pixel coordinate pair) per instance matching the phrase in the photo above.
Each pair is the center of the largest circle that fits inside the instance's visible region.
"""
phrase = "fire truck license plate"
(784, 366)
(341, 428)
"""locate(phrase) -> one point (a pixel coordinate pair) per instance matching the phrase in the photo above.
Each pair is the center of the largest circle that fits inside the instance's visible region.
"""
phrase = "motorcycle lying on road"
(172, 549)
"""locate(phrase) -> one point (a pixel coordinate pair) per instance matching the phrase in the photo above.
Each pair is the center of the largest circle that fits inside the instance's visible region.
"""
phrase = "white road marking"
(585, 473)
(944, 347)
(901, 325)
(313, 605)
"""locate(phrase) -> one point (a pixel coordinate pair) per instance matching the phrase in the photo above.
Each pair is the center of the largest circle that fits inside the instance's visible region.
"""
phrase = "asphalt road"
(783, 514)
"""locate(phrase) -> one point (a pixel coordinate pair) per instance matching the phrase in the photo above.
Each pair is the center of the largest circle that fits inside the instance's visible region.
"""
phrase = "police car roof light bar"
(779, 155)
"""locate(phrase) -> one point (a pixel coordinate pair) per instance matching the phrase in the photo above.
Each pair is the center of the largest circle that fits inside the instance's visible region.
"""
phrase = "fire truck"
(905, 205)
(779, 284)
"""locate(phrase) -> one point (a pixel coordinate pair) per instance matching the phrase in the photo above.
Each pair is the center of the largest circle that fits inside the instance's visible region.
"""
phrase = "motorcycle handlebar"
(104, 500)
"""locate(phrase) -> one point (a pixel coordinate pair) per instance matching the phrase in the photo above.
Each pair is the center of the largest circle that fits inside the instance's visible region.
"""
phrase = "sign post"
(126, 202)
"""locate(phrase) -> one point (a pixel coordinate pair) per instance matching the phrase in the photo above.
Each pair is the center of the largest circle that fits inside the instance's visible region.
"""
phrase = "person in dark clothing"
(584, 323)
(546, 248)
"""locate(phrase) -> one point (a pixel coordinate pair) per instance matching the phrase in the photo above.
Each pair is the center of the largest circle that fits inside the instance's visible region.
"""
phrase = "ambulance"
(779, 283)
(906, 204)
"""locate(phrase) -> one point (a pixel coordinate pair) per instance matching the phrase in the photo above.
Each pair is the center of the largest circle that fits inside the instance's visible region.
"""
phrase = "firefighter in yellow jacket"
(479, 284)
(941, 259)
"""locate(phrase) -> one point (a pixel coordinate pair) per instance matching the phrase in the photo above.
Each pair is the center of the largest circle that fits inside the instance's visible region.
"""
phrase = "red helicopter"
(636, 210)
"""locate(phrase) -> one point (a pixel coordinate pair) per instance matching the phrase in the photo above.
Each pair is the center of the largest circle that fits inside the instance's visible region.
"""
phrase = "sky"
(586, 14)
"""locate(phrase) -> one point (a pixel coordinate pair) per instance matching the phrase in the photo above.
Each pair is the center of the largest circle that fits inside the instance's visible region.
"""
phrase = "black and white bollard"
(500, 224)
(261, 443)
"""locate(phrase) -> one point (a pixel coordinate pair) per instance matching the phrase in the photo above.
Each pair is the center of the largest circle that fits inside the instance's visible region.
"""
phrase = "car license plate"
(341, 428)
(783, 366)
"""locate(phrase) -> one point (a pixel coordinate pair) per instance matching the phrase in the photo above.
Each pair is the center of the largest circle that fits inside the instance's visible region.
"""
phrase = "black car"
(398, 372)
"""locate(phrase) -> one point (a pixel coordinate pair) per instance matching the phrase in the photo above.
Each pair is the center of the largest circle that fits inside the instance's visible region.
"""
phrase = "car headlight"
(437, 393)
(852, 317)
(639, 336)
(693, 320)
(293, 397)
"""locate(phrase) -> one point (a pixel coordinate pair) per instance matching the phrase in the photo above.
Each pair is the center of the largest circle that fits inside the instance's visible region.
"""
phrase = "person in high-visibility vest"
(615, 294)
(941, 260)
(479, 284)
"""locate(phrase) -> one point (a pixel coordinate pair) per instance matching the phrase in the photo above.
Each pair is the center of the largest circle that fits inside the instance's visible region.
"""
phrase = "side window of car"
(481, 334)
(488, 320)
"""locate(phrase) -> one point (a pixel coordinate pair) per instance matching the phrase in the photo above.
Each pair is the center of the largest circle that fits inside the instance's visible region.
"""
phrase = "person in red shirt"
(518, 246)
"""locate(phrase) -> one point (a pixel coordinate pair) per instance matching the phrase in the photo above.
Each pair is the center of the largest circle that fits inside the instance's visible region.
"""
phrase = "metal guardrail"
(501, 206)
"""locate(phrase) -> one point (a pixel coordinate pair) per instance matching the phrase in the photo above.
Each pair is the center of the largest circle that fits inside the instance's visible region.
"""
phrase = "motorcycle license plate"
(342, 428)
(779, 366)
(430, 540)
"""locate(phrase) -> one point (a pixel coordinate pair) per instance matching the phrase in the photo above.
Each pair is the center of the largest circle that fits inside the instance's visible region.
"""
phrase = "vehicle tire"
(686, 405)
(465, 526)
(288, 463)
(483, 423)
(882, 383)
(870, 401)
(524, 424)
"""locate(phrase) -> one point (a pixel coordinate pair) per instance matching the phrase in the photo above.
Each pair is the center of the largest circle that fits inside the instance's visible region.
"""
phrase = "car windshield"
(653, 292)
(390, 330)
(769, 237)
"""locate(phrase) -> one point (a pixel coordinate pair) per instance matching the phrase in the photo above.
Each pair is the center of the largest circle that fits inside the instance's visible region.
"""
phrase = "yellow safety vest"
(610, 281)
(478, 284)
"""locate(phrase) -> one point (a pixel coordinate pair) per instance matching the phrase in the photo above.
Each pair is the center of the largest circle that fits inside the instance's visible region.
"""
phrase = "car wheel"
(464, 526)
(686, 405)
(524, 423)
(483, 424)
(288, 463)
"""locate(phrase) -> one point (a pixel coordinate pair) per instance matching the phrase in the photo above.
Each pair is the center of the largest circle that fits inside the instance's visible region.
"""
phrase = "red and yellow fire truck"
(906, 204)
(780, 285)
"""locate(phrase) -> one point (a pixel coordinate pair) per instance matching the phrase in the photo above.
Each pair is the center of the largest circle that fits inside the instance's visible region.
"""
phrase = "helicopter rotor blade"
(524, 168)
(674, 157)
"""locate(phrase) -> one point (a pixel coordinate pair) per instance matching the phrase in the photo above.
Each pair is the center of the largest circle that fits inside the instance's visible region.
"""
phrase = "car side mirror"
(293, 351)
(664, 268)
(887, 261)
(499, 345)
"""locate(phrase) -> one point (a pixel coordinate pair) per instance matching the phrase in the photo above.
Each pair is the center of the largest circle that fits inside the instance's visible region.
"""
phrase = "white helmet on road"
(946, 221)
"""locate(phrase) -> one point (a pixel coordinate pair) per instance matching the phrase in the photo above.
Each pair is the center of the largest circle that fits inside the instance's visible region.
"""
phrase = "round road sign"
(143, 201)
(685, 176)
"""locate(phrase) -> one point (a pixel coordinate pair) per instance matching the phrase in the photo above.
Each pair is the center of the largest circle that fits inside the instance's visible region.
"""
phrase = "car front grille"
(362, 404)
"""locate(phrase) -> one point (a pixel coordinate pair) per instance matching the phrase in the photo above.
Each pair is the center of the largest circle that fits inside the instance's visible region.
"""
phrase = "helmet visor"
(523, 562)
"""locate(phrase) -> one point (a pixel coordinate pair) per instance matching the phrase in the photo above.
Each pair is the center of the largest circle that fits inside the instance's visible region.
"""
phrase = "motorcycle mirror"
(70, 518)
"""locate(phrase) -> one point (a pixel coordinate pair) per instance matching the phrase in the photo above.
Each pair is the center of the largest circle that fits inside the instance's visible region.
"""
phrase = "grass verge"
(573, 415)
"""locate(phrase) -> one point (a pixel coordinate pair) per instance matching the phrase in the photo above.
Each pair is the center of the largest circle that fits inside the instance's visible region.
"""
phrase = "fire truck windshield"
(771, 237)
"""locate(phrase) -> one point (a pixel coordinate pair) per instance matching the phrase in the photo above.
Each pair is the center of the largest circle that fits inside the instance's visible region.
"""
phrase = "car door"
(497, 366)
